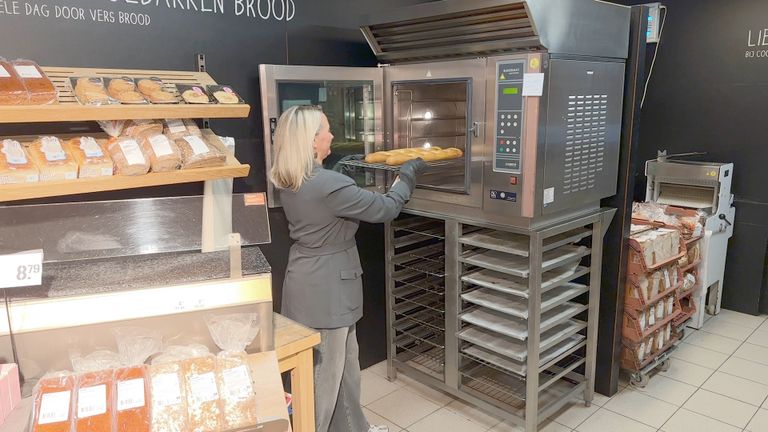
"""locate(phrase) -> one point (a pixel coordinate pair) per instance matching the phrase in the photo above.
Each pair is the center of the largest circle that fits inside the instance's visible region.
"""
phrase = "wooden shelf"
(69, 109)
(232, 169)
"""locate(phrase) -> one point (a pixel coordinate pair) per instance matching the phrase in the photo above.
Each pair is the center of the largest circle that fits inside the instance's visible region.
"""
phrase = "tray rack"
(480, 283)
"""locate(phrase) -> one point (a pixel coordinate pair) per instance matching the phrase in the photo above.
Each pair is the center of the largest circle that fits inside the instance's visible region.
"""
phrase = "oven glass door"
(440, 105)
(350, 98)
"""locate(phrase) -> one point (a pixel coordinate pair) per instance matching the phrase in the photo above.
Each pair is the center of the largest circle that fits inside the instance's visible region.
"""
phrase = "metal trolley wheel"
(665, 365)
(638, 380)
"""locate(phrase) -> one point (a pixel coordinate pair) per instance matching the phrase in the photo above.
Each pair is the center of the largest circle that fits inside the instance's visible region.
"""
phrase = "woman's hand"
(410, 170)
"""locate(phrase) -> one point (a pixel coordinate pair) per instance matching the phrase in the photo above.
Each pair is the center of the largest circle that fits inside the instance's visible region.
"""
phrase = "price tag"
(130, 394)
(21, 269)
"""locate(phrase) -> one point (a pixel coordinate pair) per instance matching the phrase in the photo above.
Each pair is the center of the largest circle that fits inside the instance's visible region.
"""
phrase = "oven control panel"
(509, 117)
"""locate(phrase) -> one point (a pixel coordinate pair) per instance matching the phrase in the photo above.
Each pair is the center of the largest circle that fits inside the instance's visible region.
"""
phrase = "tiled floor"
(718, 382)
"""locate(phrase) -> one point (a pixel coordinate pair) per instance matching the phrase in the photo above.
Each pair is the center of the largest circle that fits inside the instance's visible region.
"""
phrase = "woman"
(323, 286)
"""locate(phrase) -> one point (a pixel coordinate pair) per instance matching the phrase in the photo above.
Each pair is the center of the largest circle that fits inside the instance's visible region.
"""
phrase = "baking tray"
(514, 328)
(518, 244)
(520, 266)
(515, 349)
(396, 168)
(518, 286)
(482, 355)
(519, 327)
(518, 306)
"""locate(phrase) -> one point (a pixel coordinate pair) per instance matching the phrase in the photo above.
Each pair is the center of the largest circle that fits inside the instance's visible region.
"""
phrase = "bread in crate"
(654, 248)
(644, 289)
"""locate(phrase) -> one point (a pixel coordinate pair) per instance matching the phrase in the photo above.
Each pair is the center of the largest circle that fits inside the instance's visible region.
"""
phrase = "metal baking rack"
(396, 168)
(509, 315)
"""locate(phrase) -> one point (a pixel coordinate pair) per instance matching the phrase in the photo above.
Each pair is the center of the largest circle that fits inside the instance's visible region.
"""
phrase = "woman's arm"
(347, 200)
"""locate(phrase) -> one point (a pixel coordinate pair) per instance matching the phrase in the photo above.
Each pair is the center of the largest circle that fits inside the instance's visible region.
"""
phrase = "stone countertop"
(73, 278)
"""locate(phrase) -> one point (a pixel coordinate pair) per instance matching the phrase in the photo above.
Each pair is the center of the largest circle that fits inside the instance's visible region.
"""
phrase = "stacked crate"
(652, 298)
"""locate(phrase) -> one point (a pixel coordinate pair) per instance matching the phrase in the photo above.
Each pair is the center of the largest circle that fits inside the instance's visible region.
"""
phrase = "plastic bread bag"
(39, 87)
(164, 154)
(113, 128)
(169, 398)
(12, 90)
(178, 128)
(128, 156)
(54, 402)
(132, 406)
(54, 161)
(123, 90)
(224, 94)
(15, 164)
(197, 152)
(153, 89)
(90, 91)
(233, 333)
(193, 94)
(94, 401)
(91, 157)
(142, 128)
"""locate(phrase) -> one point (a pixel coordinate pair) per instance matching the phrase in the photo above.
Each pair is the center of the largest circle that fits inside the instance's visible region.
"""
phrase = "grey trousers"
(337, 382)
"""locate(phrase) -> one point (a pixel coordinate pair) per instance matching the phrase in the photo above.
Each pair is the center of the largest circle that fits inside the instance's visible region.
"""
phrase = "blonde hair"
(294, 157)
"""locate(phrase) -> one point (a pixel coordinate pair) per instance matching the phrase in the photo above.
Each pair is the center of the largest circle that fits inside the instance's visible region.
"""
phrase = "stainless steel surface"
(89, 230)
(272, 76)
(584, 125)
(455, 28)
(546, 323)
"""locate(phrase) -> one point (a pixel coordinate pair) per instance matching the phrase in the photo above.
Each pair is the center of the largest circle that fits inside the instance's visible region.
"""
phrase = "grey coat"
(323, 282)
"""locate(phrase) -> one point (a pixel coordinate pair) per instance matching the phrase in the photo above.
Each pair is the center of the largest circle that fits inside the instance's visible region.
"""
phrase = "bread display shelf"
(232, 169)
(69, 109)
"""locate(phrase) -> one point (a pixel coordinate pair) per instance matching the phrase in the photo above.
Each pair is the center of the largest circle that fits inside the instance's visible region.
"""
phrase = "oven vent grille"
(584, 158)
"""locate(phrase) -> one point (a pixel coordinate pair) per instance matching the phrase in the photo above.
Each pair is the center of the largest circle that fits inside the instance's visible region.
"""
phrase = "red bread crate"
(629, 359)
(638, 264)
(639, 302)
(632, 331)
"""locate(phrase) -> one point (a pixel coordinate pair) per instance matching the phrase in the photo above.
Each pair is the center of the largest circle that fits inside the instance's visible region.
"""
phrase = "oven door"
(440, 104)
(350, 97)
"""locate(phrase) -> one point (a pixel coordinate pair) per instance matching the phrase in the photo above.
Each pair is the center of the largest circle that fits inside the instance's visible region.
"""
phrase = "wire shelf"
(432, 253)
(431, 268)
(505, 388)
(427, 317)
(431, 359)
(424, 282)
(421, 335)
(396, 168)
(427, 300)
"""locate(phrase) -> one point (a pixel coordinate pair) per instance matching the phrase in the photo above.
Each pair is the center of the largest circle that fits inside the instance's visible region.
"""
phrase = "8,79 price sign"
(21, 269)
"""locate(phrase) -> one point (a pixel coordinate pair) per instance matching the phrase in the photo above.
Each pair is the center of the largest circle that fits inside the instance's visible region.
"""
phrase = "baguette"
(399, 159)
(378, 157)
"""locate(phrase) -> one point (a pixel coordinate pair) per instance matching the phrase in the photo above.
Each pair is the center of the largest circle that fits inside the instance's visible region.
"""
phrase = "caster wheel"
(665, 365)
(638, 380)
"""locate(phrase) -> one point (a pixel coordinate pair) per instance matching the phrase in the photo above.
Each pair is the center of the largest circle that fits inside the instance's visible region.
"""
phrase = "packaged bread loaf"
(193, 94)
(54, 161)
(164, 154)
(224, 94)
(12, 90)
(123, 89)
(169, 399)
(178, 128)
(91, 157)
(143, 128)
(197, 152)
(53, 404)
(132, 396)
(233, 333)
(15, 164)
(94, 403)
(128, 156)
(203, 412)
(90, 91)
(40, 89)
(153, 90)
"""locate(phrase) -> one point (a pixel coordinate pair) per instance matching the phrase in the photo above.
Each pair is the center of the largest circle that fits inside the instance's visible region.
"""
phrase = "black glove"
(410, 170)
(342, 168)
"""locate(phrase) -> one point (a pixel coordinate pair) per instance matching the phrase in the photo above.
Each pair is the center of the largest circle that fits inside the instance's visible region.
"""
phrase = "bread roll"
(164, 154)
(91, 157)
(120, 85)
(15, 164)
(128, 156)
(194, 97)
(91, 91)
(149, 86)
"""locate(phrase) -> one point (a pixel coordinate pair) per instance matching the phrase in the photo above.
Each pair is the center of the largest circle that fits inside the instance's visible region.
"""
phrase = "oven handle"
(475, 129)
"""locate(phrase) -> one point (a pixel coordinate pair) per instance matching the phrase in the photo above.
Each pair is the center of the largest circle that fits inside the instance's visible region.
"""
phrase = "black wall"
(322, 32)
(706, 95)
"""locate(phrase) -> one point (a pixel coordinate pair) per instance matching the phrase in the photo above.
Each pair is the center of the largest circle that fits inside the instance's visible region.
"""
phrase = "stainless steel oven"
(539, 129)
